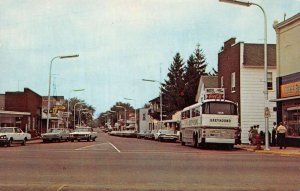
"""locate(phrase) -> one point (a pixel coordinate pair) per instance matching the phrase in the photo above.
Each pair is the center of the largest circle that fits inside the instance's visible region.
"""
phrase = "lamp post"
(75, 112)
(266, 109)
(119, 106)
(160, 97)
(135, 119)
(76, 90)
(49, 88)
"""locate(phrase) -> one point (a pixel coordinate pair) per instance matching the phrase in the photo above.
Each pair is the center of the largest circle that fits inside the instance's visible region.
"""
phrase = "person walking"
(274, 134)
(281, 131)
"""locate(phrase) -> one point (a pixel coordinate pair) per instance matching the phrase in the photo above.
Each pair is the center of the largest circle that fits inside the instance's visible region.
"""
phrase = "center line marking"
(114, 147)
(81, 148)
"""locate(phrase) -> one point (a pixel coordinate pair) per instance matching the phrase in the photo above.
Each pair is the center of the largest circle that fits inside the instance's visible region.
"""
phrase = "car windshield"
(83, 130)
(166, 132)
(55, 131)
(6, 130)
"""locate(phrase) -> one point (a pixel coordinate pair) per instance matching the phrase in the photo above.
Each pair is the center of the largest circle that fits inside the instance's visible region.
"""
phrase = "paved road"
(115, 163)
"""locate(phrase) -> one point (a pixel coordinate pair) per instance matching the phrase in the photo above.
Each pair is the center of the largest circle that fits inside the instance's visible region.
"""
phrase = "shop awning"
(285, 99)
(293, 108)
(18, 113)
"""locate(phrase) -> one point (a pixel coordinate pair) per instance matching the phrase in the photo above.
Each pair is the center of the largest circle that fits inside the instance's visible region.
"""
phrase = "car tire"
(24, 142)
(89, 139)
(9, 143)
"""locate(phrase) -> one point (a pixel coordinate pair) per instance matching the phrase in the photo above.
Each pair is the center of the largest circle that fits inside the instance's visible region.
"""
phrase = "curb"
(274, 152)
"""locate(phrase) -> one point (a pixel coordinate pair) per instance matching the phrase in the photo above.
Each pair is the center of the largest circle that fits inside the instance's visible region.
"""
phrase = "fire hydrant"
(258, 142)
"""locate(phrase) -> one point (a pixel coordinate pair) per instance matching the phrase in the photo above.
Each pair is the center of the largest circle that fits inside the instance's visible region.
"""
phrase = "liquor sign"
(290, 90)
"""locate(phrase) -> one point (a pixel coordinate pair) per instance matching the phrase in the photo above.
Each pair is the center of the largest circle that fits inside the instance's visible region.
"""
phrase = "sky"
(119, 43)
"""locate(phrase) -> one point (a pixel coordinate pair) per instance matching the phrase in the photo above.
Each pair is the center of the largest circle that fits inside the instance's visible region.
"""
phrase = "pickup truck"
(83, 133)
(9, 135)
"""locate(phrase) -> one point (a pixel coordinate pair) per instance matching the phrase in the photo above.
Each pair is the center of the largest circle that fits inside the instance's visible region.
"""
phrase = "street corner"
(289, 151)
(292, 151)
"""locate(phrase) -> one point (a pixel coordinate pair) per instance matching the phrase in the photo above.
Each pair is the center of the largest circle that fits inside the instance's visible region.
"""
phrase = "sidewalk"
(289, 151)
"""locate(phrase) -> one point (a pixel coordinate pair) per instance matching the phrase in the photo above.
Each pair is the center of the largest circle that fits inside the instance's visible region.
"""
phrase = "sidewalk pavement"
(289, 151)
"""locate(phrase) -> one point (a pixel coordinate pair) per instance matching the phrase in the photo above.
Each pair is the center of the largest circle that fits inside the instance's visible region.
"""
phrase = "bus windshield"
(220, 108)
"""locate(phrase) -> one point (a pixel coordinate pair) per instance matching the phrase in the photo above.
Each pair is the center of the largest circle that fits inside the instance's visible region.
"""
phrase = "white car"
(10, 135)
(164, 134)
(56, 134)
(83, 133)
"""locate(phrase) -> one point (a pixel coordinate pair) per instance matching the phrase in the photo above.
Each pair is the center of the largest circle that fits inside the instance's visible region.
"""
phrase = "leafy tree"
(173, 87)
(86, 118)
(195, 68)
(116, 112)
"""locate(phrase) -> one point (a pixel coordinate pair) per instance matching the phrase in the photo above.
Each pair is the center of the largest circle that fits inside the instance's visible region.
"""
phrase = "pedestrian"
(250, 135)
(274, 134)
(254, 133)
(281, 131)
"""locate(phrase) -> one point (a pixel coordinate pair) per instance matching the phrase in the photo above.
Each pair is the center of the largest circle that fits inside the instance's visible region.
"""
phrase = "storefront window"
(294, 121)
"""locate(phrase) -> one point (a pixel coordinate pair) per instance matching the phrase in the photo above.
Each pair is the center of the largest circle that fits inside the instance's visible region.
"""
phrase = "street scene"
(112, 163)
(149, 95)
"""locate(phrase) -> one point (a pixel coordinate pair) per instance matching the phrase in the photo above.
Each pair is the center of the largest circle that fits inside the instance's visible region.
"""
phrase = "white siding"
(144, 119)
(253, 99)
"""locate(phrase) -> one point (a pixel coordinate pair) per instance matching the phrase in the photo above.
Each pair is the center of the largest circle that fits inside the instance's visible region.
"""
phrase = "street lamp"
(76, 90)
(49, 88)
(135, 119)
(266, 109)
(119, 106)
(160, 97)
(75, 112)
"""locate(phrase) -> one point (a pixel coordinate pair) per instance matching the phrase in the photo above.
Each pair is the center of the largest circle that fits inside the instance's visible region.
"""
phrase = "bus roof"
(206, 101)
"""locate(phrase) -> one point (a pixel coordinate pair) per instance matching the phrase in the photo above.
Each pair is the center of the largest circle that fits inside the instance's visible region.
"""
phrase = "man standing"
(281, 131)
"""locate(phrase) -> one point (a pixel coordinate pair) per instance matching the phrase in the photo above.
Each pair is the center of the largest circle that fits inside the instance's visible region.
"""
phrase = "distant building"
(241, 73)
(206, 82)
(288, 81)
(57, 110)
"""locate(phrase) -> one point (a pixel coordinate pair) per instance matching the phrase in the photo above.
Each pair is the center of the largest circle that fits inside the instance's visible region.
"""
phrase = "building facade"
(241, 73)
(288, 80)
(27, 101)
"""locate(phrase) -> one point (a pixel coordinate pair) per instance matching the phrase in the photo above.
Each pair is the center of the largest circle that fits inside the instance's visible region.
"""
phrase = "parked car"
(164, 134)
(56, 134)
(9, 135)
(140, 135)
(150, 134)
(83, 133)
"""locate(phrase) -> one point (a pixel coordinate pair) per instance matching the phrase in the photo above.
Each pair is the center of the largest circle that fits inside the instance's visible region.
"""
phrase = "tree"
(195, 68)
(213, 72)
(85, 118)
(173, 87)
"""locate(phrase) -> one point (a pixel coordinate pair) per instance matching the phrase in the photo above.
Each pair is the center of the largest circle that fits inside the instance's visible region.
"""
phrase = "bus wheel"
(195, 141)
(182, 143)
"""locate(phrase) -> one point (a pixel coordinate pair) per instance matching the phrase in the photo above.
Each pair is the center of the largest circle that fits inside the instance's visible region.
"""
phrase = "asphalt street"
(116, 163)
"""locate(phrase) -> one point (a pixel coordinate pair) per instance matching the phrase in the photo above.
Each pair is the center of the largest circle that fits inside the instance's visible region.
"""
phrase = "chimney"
(229, 43)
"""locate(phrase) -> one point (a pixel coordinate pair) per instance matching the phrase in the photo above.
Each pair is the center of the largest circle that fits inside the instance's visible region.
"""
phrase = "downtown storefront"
(288, 106)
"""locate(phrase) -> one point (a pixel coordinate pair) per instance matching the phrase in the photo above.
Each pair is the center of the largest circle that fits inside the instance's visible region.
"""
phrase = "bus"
(213, 121)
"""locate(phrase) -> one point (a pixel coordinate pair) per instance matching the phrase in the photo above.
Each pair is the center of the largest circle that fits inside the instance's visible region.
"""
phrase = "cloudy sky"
(119, 42)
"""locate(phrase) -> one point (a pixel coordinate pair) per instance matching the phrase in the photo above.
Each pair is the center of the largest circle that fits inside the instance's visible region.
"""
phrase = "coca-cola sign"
(214, 96)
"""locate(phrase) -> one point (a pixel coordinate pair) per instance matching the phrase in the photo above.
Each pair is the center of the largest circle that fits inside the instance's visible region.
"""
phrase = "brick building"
(27, 101)
(241, 73)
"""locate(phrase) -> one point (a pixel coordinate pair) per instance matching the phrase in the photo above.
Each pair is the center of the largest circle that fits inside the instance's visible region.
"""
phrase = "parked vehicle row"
(159, 135)
(9, 135)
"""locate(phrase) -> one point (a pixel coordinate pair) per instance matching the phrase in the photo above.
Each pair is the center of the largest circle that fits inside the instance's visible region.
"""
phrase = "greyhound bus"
(213, 121)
